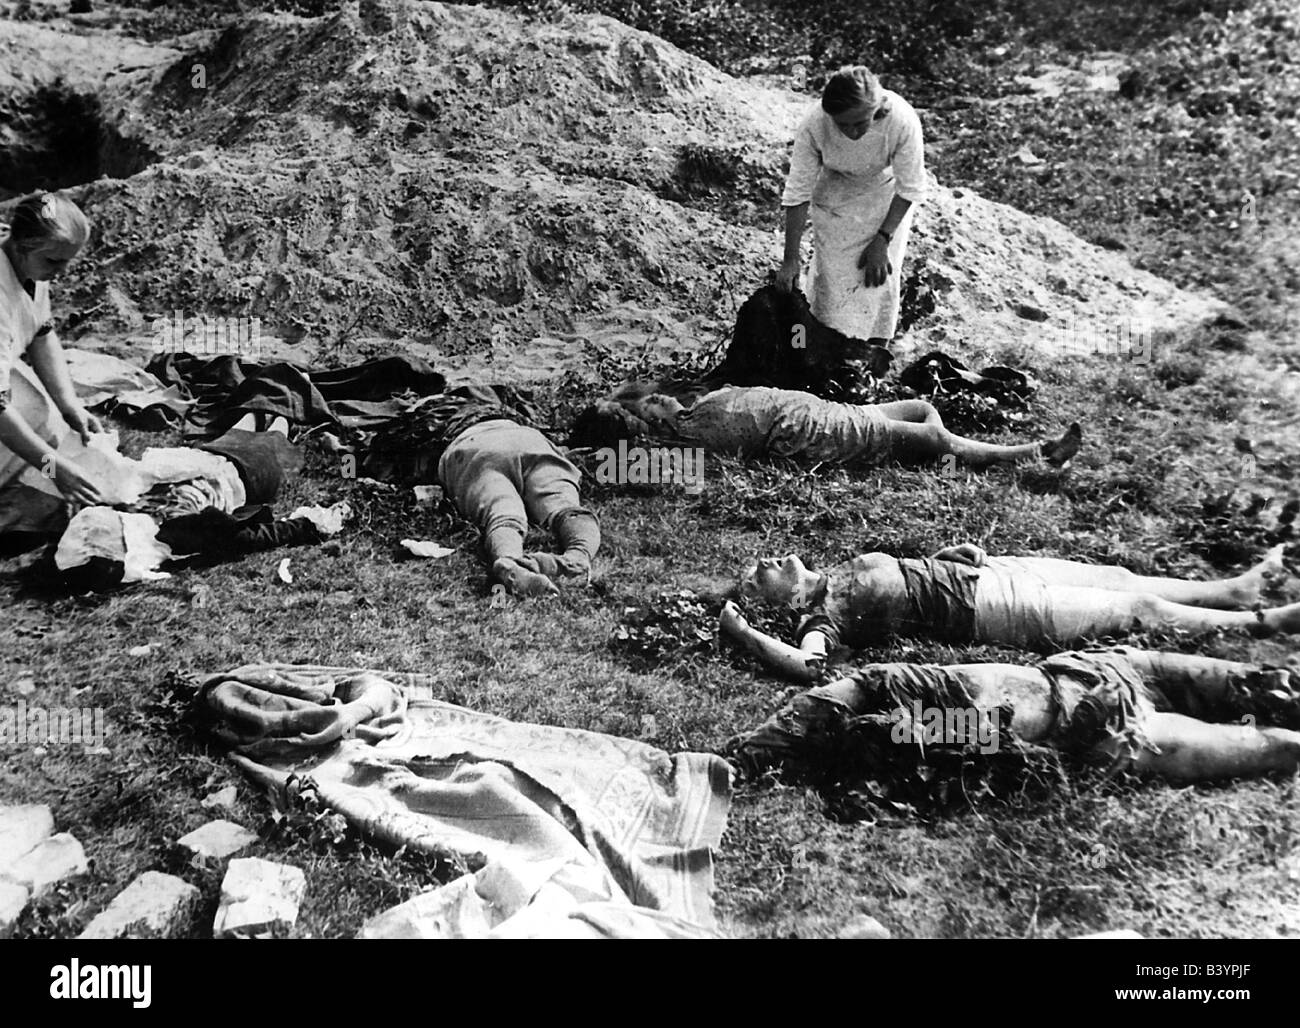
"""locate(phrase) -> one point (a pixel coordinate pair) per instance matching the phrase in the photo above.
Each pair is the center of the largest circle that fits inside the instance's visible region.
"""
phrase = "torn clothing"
(761, 421)
(798, 735)
(410, 448)
(937, 599)
(1112, 710)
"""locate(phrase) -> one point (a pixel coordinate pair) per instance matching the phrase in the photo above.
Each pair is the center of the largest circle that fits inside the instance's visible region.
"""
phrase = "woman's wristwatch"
(888, 237)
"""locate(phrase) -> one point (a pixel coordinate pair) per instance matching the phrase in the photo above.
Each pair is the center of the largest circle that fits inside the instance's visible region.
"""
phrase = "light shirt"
(830, 169)
(21, 318)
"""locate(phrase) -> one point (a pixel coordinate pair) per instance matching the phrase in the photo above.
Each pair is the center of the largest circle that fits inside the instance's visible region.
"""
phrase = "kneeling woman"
(962, 595)
(38, 404)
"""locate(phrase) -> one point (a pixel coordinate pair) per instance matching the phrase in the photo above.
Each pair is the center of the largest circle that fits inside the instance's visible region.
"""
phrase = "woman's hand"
(966, 553)
(82, 422)
(75, 484)
(786, 276)
(731, 621)
(875, 262)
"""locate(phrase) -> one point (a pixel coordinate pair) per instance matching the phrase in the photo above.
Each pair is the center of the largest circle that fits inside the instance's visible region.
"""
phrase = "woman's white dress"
(29, 500)
(850, 184)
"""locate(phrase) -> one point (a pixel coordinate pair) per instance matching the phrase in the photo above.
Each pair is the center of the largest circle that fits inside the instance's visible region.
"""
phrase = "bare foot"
(1059, 452)
(1269, 573)
(1282, 619)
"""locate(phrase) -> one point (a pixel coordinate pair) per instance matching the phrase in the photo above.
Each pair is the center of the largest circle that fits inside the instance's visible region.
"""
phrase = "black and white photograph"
(651, 469)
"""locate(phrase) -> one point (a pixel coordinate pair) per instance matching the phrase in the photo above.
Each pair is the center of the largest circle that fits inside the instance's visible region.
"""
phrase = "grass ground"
(1148, 492)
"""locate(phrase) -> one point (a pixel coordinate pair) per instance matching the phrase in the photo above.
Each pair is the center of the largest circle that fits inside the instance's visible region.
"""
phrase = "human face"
(658, 408)
(856, 120)
(47, 261)
(776, 580)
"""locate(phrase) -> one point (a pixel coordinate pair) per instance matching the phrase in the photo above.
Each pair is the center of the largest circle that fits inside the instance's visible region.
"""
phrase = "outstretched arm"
(803, 664)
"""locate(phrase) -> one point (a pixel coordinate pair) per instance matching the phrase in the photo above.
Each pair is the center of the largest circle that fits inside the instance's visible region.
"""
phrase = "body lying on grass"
(758, 421)
(963, 595)
(502, 475)
(1137, 710)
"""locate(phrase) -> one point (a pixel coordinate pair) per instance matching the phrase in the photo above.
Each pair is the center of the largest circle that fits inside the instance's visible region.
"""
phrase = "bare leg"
(1193, 751)
(916, 412)
(1093, 612)
(925, 442)
(918, 435)
(1240, 592)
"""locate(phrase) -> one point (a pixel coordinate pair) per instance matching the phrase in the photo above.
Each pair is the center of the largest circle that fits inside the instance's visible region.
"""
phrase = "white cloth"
(850, 184)
(200, 479)
(117, 535)
(123, 481)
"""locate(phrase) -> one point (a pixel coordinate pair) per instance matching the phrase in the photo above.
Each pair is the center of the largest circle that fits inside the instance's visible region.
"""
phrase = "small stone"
(222, 799)
(23, 685)
(154, 906)
(1118, 933)
(140, 651)
(259, 899)
(1030, 312)
(50, 862)
(22, 828)
(425, 548)
(13, 901)
(216, 840)
(865, 927)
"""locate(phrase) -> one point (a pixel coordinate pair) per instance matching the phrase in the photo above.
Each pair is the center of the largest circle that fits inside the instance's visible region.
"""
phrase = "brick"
(22, 828)
(217, 840)
(864, 927)
(57, 858)
(259, 899)
(153, 906)
(13, 901)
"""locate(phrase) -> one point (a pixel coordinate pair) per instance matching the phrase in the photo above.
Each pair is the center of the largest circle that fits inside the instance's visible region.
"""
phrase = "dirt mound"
(486, 188)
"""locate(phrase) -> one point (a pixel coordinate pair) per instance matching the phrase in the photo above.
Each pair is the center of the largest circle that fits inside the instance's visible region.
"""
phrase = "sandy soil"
(489, 192)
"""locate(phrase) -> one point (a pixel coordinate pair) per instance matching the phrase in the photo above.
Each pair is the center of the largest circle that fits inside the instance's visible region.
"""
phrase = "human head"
(658, 410)
(853, 97)
(779, 580)
(46, 231)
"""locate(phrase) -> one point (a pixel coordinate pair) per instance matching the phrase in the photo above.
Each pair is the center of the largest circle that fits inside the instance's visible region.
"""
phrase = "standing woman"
(859, 160)
(38, 404)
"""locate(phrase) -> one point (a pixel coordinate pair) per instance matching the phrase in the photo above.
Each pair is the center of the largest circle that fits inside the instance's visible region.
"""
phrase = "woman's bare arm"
(803, 664)
(51, 367)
